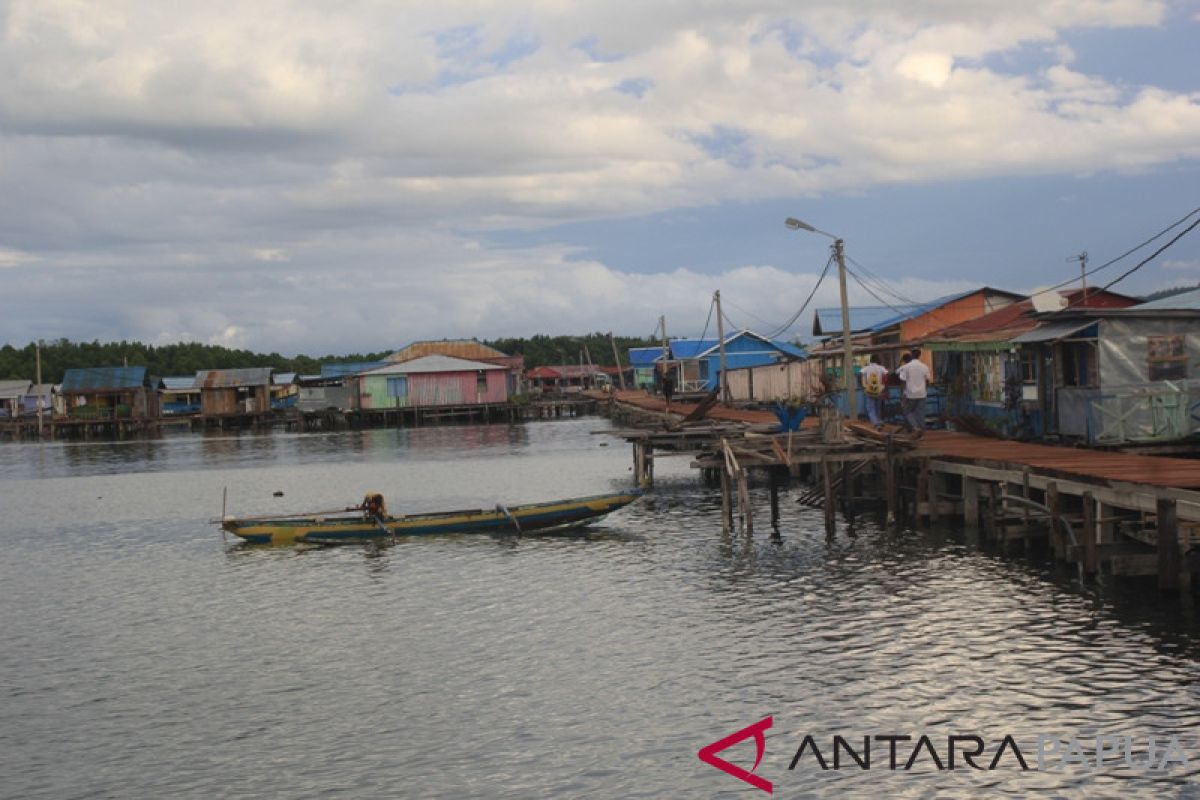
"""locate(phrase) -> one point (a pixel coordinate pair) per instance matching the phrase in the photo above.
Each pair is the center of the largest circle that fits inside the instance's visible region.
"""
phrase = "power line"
(1152, 256)
(1133, 250)
(751, 314)
(783, 328)
(711, 304)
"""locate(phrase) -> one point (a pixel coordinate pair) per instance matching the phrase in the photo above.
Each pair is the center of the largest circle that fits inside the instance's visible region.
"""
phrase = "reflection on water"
(143, 657)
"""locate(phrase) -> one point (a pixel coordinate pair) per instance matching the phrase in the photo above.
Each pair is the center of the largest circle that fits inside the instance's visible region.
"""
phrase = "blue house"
(697, 362)
(643, 361)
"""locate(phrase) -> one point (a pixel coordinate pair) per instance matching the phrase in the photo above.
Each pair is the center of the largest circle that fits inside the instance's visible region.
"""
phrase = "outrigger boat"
(370, 521)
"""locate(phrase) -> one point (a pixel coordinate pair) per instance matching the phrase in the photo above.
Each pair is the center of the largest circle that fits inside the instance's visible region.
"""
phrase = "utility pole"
(617, 361)
(1082, 258)
(666, 350)
(723, 385)
(848, 368)
(37, 350)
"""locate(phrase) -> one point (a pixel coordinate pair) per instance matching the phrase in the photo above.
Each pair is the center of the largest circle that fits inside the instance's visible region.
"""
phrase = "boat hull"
(534, 518)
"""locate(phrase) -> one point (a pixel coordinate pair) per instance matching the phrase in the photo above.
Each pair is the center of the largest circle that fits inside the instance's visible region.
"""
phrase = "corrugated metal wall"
(800, 379)
(438, 389)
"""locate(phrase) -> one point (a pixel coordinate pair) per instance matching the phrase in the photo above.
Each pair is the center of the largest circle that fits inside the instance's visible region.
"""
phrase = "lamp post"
(848, 365)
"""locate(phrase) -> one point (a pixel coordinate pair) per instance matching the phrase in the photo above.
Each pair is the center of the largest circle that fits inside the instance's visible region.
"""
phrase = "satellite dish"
(1048, 300)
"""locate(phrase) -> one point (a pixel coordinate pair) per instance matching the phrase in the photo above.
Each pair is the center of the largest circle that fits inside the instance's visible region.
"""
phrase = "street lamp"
(848, 367)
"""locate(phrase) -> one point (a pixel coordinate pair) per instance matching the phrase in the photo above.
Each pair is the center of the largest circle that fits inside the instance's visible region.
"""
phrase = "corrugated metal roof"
(828, 321)
(564, 371)
(103, 379)
(644, 356)
(17, 388)
(179, 384)
(231, 378)
(691, 348)
(1052, 331)
(427, 364)
(701, 348)
(1185, 301)
(284, 378)
(774, 344)
(454, 348)
(350, 368)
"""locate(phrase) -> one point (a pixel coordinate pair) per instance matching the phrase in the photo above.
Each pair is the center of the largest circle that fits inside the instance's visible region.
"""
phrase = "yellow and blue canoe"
(539, 518)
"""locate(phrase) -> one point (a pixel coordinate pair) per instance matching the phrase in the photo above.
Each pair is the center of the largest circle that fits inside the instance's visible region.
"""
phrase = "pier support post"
(1107, 516)
(777, 479)
(827, 479)
(994, 511)
(1169, 557)
(637, 463)
(847, 490)
(1057, 537)
(889, 480)
(922, 491)
(1091, 562)
(933, 482)
(970, 494)
(726, 503)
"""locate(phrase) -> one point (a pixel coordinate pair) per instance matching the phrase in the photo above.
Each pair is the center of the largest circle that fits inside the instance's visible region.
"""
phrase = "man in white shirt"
(916, 386)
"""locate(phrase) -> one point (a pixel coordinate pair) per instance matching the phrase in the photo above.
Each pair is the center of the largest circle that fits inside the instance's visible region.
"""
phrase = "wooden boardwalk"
(1095, 466)
(1104, 511)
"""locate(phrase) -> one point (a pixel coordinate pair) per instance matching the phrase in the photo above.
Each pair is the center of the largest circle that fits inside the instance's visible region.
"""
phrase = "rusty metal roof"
(455, 348)
(103, 379)
(231, 378)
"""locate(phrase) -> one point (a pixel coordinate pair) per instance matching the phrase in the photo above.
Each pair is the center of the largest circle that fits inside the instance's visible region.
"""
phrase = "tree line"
(187, 358)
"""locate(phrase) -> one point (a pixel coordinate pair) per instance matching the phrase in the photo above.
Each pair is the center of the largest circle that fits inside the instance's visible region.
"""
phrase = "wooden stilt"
(970, 495)
(827, 479)
(776, 478)
(1169, 556)
(1057, 536)
(726, 503)
(1091, 562)
(889, 480)
(933, 482)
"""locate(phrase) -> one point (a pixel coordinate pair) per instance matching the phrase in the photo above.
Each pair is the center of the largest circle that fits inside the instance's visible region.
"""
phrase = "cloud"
(290, 178)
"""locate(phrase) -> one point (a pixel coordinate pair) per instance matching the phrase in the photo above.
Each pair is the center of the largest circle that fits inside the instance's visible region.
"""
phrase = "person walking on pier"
(916, 386)
(874, 381)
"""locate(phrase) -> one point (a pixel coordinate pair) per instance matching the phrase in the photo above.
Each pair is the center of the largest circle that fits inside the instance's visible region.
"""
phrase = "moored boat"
(370, 521)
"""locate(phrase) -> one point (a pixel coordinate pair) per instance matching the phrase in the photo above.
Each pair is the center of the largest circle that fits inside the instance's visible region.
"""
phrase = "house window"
(398, 386)
(481, 382)
(1166, 358)
(1029, 359)
(1079, 363)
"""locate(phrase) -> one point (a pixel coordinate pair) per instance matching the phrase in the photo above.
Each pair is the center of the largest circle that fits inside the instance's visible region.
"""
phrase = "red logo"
(708, 754)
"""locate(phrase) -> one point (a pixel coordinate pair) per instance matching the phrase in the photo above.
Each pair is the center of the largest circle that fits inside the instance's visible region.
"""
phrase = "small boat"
(370, 521)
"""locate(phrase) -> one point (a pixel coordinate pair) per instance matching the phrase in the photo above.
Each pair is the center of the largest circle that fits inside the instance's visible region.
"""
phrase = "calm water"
(141, 656)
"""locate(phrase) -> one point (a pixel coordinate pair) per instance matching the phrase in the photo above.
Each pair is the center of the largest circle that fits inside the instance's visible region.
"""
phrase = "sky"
(317, 178)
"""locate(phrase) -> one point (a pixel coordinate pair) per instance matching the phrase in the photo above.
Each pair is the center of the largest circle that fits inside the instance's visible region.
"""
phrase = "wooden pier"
(1106, 512)
(296, 420)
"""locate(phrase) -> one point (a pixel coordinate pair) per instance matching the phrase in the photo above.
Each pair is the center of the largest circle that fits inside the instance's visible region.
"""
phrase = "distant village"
(1091, 366)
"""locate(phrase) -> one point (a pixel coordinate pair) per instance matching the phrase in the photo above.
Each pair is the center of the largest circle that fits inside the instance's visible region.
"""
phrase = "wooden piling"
(922, 491)
(827, 479)
(889, 479)
(726, 503)
(777, 479)
(1091, 562)
(1169, 556)
(932, 483)
(970, 495)
(1058, 542)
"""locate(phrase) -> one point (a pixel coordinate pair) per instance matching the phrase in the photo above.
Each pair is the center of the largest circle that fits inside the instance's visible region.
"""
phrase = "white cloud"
(250, 166)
